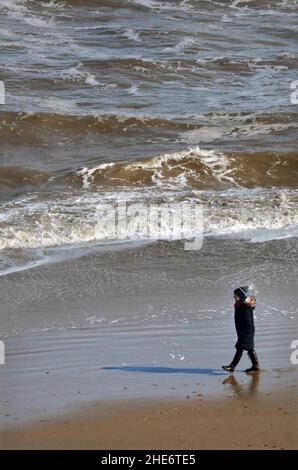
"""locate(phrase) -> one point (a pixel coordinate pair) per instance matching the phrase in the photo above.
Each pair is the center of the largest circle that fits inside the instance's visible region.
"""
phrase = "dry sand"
(264, 421)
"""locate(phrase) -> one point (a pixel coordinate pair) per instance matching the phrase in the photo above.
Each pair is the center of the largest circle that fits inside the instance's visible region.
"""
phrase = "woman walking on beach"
(245, 328)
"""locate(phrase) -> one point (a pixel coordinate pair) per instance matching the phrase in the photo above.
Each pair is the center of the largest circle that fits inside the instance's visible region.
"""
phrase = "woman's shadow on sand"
(167, 370)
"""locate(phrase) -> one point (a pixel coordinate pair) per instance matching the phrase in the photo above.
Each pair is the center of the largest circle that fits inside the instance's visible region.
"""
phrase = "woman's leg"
(237, 357)
(235, 361)
(254, 360)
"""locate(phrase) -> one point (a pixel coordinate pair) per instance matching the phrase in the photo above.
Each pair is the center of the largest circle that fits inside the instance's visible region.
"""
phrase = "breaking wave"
(193, 168)
(199, 169)
(68, 219)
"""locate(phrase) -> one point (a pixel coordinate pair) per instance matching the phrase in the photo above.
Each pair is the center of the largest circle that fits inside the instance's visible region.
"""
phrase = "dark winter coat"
(244, 322)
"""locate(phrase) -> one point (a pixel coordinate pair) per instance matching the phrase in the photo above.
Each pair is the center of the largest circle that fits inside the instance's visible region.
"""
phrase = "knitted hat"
(241, 291)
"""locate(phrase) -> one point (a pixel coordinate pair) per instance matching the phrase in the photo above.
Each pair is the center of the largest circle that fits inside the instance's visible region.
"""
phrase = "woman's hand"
(251, 301)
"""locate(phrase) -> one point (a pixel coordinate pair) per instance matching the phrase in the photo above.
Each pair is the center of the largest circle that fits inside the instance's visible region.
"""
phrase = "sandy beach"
(266, 422)
(114, 368)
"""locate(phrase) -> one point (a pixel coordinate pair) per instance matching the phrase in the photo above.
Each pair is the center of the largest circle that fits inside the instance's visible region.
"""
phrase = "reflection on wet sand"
(243, 389)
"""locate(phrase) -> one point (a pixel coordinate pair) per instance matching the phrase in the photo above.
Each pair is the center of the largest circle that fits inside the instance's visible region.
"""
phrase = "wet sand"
(142, 324)
(50, 374)
(266, 422)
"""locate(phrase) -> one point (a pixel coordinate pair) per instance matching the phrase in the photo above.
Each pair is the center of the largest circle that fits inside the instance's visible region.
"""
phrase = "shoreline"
(264, 421)
(144, 325)
(50, 374)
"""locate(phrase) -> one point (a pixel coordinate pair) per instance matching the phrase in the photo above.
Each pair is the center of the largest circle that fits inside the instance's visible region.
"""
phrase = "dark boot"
(254, 360)
(228, 368)
(234, 362)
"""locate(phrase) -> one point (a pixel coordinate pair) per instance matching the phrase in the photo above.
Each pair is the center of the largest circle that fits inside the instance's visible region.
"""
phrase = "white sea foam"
(79, 73)
(236, 3)
(287, 4)
(214, 160)
(133, 89)
(72, 220)
(18, 9)
(91, 80)
(183, 44)
(183, 5)
(13, 5)
(131, 34)
(88, 173)
(152, 4)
